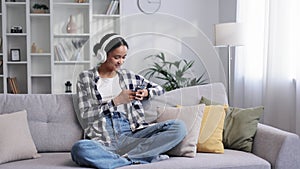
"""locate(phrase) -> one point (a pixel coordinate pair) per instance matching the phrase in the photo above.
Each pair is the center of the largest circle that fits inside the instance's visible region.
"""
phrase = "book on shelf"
(109, 7)
(12, 81)
(113, 7)
(76, 55)
(60, 52)
(69, 50)
(1, 62)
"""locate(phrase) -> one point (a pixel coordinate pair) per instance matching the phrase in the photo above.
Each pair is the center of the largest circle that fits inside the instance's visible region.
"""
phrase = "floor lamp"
(229, 35)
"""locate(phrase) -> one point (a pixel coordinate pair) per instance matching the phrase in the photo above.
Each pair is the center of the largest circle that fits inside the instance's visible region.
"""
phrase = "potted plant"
(174, 74)
(40, 8)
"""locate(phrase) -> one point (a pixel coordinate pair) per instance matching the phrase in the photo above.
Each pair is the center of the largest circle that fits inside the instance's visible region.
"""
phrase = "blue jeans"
(128, 147)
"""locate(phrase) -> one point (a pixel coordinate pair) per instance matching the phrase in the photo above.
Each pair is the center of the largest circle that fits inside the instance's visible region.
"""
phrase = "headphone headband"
(101, 53)
(106, 42)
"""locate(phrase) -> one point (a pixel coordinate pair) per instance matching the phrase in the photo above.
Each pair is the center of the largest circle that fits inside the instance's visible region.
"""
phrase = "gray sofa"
(54, 128)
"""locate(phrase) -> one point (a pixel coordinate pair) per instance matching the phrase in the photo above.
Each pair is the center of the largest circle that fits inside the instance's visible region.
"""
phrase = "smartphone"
(139, 87)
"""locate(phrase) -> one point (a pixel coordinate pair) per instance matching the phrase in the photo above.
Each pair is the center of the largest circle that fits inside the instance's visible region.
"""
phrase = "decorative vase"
(71, 26)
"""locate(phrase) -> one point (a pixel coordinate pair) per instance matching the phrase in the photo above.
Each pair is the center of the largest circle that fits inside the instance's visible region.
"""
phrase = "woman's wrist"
(148, 94)
(115, 101)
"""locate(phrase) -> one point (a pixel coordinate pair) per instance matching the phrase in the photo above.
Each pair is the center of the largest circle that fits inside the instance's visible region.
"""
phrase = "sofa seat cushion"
(231, 159)
(47, 161)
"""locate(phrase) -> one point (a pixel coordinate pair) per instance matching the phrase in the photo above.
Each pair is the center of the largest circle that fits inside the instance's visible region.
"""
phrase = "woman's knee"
(178, 126)
(82, 144)
(80, 148)
(181, 128)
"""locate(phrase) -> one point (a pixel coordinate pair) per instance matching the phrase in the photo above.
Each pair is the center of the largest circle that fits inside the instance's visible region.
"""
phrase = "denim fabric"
(117, 125)
(91, 153)
(128, 147)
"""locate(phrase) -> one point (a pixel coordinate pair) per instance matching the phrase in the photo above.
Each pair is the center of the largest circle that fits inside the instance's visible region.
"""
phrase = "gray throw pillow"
(192, 117)
(16, 141)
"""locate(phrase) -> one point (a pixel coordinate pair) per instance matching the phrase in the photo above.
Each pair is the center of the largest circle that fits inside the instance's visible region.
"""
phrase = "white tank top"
(109, 88)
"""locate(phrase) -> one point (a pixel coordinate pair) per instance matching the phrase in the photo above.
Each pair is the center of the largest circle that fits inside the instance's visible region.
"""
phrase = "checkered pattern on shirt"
(92, 109)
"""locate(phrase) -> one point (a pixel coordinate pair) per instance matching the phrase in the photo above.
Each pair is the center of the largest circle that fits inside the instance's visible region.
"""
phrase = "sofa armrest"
(280, 148)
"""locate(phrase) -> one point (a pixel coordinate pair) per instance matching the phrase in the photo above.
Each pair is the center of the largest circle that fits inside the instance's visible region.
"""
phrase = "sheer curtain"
(267, 69)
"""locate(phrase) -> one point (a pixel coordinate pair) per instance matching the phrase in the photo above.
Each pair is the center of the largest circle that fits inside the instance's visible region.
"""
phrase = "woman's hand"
(140, 94)
(124, 97)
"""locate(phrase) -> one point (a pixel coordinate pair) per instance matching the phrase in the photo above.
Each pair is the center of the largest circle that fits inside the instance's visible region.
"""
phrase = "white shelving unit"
(18, 69)
(1, 53)
(39, 61)
(68, 68)
(42, 71)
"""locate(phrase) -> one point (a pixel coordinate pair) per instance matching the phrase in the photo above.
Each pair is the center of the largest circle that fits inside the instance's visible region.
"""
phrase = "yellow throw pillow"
(211, 131)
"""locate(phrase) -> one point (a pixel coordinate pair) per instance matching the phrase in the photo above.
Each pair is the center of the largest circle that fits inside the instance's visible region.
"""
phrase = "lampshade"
(229, 34)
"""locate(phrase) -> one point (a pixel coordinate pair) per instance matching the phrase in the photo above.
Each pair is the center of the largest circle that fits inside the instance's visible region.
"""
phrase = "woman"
(110, 107)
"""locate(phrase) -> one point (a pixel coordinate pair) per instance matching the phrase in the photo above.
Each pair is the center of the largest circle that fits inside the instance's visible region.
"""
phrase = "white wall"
(227, 10)
(181, 29)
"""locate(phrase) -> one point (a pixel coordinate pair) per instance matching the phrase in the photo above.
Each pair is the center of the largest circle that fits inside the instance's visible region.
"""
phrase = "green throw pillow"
(207, 102)
(240, 126)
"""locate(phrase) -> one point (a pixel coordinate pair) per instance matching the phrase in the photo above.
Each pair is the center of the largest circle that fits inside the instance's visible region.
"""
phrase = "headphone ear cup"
(101, 55)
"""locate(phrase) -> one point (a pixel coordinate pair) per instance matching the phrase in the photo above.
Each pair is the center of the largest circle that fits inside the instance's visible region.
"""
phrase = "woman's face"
(116, 58)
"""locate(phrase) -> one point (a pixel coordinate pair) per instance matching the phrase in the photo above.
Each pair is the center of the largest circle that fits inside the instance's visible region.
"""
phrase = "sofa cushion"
(210, 136)
(52, 160)
(51, 118)
(187, 96)
(239, 127)
(231, 159)
(16, 142)
(191, 116)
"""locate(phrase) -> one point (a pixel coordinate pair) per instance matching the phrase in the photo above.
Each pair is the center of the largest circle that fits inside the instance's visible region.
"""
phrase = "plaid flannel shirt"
(92, 109)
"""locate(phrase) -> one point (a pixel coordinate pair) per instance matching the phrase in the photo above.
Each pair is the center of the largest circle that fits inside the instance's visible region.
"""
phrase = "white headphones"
(101, 53)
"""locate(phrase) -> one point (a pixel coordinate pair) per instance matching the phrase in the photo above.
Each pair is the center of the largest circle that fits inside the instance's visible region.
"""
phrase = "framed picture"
(15, 54)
